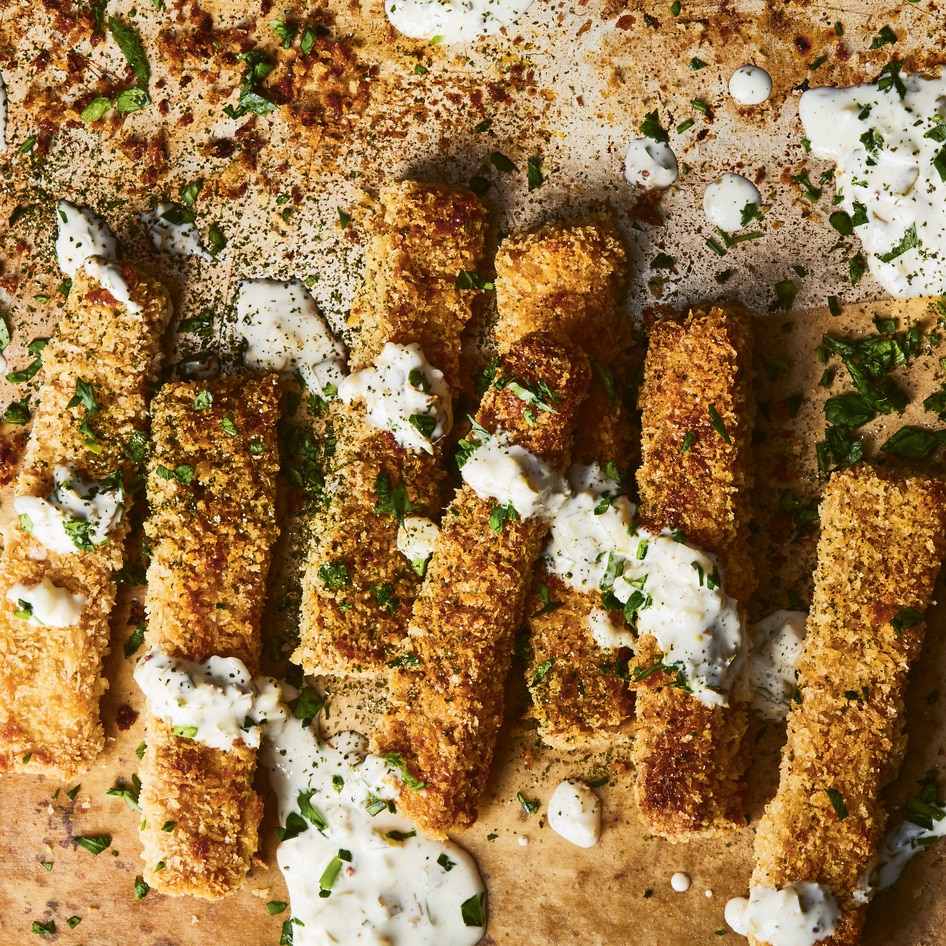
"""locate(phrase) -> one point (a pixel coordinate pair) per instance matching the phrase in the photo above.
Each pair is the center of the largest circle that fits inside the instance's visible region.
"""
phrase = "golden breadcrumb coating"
(696, 476)
(51, 677)
(357, 588)
(447, 692)
(566, 279)
(882, 541)
(211, 531)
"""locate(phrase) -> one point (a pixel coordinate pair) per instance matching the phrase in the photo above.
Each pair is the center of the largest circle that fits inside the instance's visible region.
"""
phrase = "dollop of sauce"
(650, 164)
(416, 538)
(799, 914)
(574, 812)
(75, 516)
(453, 21)
(81, 235)
(777, 645)
(215, 702)
(357, 872)
(171, 237)
(46, 605)
(286, 332)
(898, 846)
(750, 85)
(405, 395)
(680, 882)
(512, 476)
(886, 140)
(725, 201)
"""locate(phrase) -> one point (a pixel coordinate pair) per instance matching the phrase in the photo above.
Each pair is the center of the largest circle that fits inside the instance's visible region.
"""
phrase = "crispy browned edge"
(566, 279)
(211, 544)
(51, 678)
(690, 758)
(445, 712)
(882, 541)
(421, 237)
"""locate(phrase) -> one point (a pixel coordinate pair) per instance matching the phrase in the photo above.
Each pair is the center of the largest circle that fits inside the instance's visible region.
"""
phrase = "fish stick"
(566, 280)
(212, 492)
(447, 688)
(697, 420)
(883, 537)
(89, 428)
(357, 588)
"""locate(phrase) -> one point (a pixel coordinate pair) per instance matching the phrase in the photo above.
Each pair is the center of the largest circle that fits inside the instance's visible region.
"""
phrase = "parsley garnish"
(908, 241)
(904, 619)
(529, 805)
(500, 515)
(258, 67)
(141, 887)
(541, 670)
(274, 907)
(548, 606)
(130, 45)
(719, 425)
(473, 911)
(396, 761)
(534, 172)
(837, 802)
(392, 500)
(93, 843)
(183, 473)
(651, 127)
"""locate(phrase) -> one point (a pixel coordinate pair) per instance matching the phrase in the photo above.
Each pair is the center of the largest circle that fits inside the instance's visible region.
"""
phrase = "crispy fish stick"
(357, 587)
(447, 690)
(57, 567)
(566, 280)
(882, 541)
(697, 419)
(212, 492)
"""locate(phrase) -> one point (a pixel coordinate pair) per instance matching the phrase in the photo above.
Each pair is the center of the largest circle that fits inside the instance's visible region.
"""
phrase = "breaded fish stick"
(89, 424)
(212, 492)
(882, 541)
(447, 690)
(565, 280)
(697, 420)
(357, 587)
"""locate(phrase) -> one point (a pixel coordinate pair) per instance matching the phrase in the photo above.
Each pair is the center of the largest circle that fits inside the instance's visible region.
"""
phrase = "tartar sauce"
(76, 514)
(896, 849)
(46, 605)
(176, 239)
(416, 538)
(650, 164)
(887, 141)
(358, 872)
(750, 85)
(404, 394)
(574, 812)
(777, 645)
(215, 702)
(799, 914)
(453, 21)
(726, 200)
(286, 332)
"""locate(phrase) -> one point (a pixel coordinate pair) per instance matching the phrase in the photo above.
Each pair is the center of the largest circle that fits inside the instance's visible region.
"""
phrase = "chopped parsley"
(651, 127)
(396, 761)
(473, 910)
(93, 843)
(837, 802)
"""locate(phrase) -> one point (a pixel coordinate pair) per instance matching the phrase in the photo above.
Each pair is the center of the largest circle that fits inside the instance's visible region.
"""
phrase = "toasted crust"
(446, 710)
(882, 540)
(51, 677)
(211, 542)
(421, 238)
(566, 280)
(690, 759)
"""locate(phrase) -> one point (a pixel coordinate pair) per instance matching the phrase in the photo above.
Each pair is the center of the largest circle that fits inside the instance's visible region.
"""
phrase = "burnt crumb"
(125, 717)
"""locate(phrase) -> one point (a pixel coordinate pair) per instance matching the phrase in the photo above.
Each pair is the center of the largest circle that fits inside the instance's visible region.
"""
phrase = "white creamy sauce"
(3, 113)
(680, 882)
(512, 476)
(74, 515)
(286, 332)
(595, 543)
(886, 176)
(777, 645)
(405, 395)
(896, 849)
(81, 235)
(799, 914)
(354, 877)
(109, 276)
(46, 605)
(175, 239)
(416, 538)
(216, 702)
(574, 812)
(725, 200)
(453, 21)
(650, 164)
(750, 85)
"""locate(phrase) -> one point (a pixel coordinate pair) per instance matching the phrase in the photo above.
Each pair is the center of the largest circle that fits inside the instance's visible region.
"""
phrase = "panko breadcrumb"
(51, 677)
(882, 541)
(211, 532)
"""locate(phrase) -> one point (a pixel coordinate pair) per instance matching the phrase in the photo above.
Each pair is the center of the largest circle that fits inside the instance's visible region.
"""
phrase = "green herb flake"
(913, 443)
(275, 907)
(203, 401)
(96, 109)
(837, 802)
(473, 910)
(396, 761)
(651, 127)
(529, 805)
(541, 670)
(132, 100)
(141, 888)
(229, 427)
(502, 163)
(73, 922)
(130, 44)
(43, 929)
(93, 843)
(534, 174)
(446, 863)
(906, 618)
(719, 425)
(697, 64)
(886, 37)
